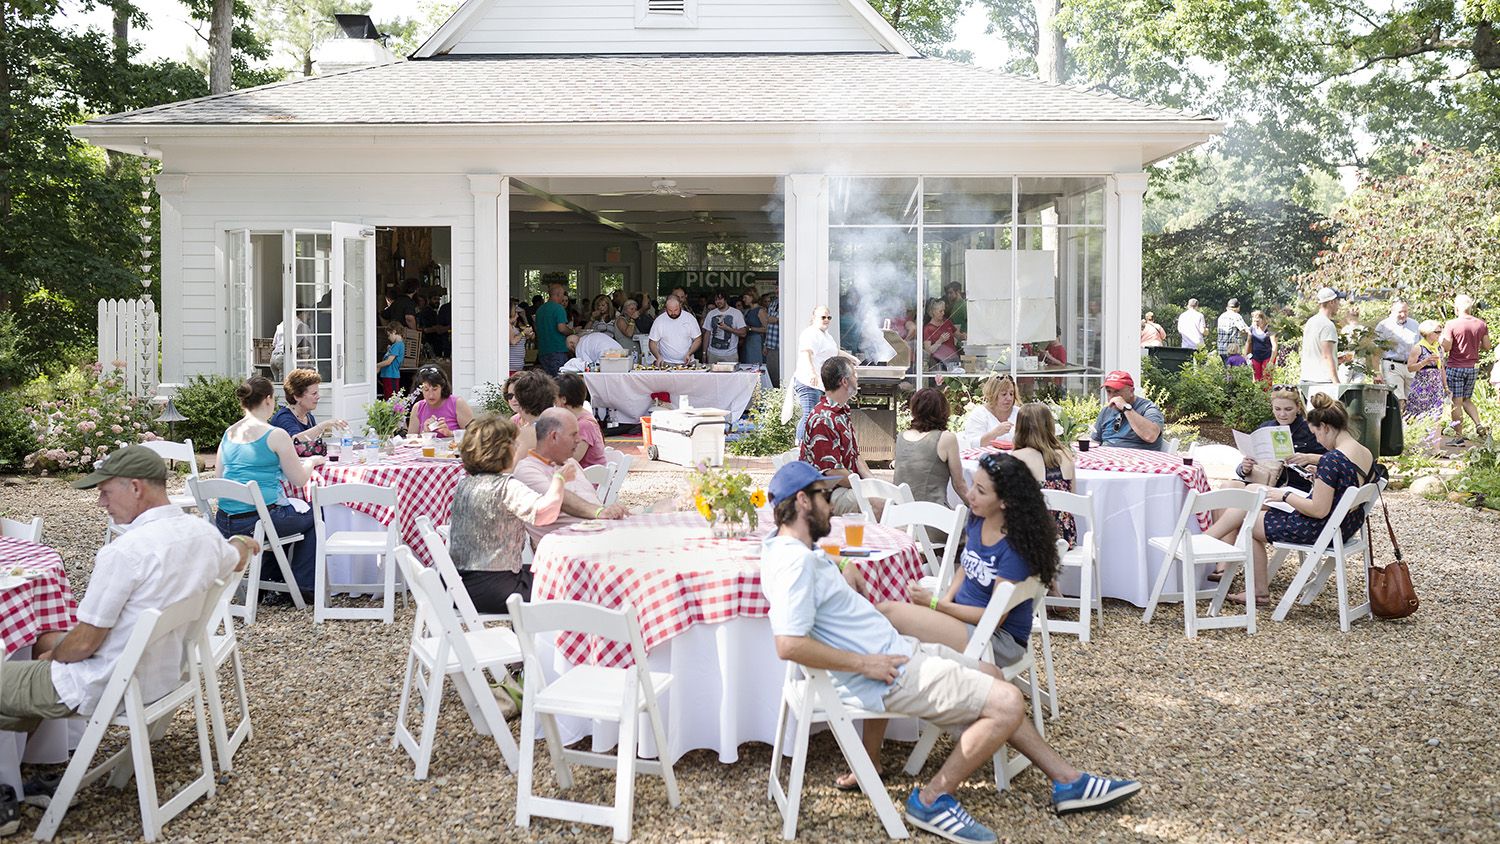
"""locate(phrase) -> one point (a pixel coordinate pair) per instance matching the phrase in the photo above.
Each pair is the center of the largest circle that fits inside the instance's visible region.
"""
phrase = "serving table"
(628, 394)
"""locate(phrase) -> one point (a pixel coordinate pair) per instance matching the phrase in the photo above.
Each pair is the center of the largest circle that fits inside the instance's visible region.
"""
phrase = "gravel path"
(1299, 733)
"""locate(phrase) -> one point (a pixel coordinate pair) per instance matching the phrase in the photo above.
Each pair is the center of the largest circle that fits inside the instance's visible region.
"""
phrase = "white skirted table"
(628, 394)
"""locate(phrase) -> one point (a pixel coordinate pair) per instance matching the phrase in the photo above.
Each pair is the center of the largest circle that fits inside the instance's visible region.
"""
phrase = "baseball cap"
(1232, 303)
(1328, 294)
(1118, 379)
(792, 479)
(134, 461)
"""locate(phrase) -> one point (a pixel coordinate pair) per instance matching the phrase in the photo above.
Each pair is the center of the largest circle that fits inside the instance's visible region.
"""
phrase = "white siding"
(213, 204)
(608, 26)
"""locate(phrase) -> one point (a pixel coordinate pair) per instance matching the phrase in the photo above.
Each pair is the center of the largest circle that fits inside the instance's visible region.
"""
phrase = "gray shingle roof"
(673, 89)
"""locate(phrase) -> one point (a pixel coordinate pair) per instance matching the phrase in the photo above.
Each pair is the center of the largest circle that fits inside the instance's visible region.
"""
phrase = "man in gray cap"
(164, 556)
(1232, 330)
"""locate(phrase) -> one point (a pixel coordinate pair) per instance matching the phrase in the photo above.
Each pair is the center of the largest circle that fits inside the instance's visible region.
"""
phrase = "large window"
(969, 276)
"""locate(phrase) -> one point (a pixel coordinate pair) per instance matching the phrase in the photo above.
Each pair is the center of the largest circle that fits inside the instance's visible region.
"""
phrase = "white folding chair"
(147, 721)
(808, 695)
(599, 477)
(440, 648)
(1084, 557)
(1006, 596)
(207, 490)
(172, 452)
(28, 531)
(380, 544)
(1172, 445)
(621, 464)
(222, 646)
(917, 517)
(1327, 556)
(785, 457)
(437, 549)
(1186, 551)
(622, 695)
(868, 489)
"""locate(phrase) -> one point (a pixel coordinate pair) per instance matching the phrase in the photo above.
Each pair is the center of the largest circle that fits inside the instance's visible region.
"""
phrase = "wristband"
(932, 604)
(841, 563)
(597, 512)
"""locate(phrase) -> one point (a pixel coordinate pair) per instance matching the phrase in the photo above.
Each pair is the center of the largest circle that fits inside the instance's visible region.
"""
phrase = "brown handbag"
(1391, 592)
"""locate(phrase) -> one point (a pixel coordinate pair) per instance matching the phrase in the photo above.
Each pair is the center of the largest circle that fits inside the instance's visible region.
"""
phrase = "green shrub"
(80, 417)
(1076, 414)
(769, 435)
(1200, 388)
(489, 397)
(1249, 403)
(209, 404)
(16, 437)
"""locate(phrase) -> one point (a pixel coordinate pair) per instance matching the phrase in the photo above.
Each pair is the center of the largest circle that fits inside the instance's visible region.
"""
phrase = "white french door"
(240, 260)
(354, 310)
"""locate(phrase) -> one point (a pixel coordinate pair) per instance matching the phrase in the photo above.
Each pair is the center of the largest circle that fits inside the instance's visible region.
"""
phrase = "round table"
(43, 603)
(703, 618)
(628, 394)
(1132, 507)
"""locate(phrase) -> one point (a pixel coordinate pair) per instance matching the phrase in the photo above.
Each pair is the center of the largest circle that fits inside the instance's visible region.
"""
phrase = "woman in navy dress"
(1347, 464)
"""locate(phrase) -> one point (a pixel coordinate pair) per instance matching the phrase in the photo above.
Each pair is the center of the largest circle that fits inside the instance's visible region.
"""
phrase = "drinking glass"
(854, 530)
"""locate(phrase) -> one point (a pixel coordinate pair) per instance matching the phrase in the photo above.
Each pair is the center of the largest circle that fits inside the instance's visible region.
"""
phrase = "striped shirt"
(773, 332)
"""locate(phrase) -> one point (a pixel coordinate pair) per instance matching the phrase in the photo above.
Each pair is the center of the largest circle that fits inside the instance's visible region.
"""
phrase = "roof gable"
(598, 27)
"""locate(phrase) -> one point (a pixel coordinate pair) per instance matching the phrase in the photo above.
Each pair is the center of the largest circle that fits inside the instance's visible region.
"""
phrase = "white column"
(171, 187)
(804, 281)
(478, 332)
(1122, 310)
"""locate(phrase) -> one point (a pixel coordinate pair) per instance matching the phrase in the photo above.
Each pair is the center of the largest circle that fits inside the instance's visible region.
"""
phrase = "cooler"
(687, 437)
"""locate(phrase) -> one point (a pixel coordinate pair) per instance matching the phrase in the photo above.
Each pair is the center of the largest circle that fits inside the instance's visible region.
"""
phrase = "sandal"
(847, 782)
(1239, 598)
(1216, 575)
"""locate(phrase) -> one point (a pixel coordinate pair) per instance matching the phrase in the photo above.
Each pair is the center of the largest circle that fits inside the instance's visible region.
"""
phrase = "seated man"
(820, 621)
(1128, 420)
(829, 443)
(590, 347)
(556, 439)
(164, 556)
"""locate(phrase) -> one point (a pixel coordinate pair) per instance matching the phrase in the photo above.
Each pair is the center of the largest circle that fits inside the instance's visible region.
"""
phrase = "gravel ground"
(1299, 733)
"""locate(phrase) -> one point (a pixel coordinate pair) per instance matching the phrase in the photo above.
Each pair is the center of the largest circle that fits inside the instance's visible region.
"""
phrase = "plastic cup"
(429, 450)
(1083, 445)
(1187, 461)
(830, 548)
(854, 530)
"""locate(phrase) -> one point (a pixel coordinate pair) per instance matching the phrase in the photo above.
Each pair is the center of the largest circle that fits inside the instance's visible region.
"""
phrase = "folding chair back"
(378, 543)
(620, 464)
(206, 491)
(218, 647)
(1185, 551)
(176, 452)
(577, 617)
(917, 517)
(1085, 557)
(27, 531)
(1327, 556)
(437, 549)
(866, 489)
(599, 476)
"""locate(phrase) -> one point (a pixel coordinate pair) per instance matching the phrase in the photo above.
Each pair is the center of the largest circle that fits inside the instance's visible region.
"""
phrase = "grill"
(880, 388)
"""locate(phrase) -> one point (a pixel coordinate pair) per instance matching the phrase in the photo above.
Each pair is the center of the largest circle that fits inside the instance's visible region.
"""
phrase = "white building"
(568, 136)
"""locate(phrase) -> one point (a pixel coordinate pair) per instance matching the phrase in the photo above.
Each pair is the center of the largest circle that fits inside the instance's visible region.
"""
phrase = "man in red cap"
(1128, 420)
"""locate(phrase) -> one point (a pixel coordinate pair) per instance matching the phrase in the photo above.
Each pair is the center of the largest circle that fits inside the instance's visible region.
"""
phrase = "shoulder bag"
(1391, 592)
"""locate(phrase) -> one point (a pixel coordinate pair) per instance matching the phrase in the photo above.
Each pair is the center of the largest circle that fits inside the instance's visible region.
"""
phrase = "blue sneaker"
(946, 818)
(1090, 792)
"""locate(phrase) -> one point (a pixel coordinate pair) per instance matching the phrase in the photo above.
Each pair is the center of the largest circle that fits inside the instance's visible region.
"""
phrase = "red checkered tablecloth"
(43, 604)
(424, 487)
(1104, 459)
(671, 569)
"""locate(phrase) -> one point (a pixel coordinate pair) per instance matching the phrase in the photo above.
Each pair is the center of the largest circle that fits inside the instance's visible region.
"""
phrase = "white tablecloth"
(628, 394)
(343, 568)
(1132, 507)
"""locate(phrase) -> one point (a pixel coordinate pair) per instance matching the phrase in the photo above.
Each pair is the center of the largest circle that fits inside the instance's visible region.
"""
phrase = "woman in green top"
(255, 450)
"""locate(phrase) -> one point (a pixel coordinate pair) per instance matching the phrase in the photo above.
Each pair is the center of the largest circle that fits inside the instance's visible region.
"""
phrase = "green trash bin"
(1366, 404)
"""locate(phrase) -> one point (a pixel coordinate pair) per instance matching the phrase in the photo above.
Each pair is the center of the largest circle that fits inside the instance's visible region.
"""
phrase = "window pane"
(875, 274)
(1068, 201)
(966, 201)
(860, 201)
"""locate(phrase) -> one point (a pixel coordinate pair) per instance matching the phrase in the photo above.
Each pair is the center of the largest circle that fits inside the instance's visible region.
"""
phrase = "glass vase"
(726, 526)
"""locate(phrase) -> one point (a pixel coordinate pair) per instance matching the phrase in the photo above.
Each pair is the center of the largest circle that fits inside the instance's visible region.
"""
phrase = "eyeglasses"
(1283, 388)
(510, 397)
(826, 318)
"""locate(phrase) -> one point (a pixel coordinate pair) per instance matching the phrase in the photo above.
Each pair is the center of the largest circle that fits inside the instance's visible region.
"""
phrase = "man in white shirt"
(675, 335)
(590, 347)
(164, 556)
(1320, 341)
(725, 326)
(1400, 332)
(556, 440)
(1191, 325)
(1231, 329)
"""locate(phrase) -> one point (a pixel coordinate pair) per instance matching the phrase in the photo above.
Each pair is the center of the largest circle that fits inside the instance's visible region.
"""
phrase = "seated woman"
(1009, 538)
(534, 391)
(940, 337)
(1286, 409)
(571, 394)
(296, 418)
(927, 453)
(996, 418)
(439, 412)
(1347, 464)
(253, 449)
(490, 510)
(1050, 462)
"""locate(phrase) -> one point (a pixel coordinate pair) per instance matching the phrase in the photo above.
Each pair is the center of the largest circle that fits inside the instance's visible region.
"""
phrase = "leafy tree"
(249, 50)
(927, 24)
(1429, 235)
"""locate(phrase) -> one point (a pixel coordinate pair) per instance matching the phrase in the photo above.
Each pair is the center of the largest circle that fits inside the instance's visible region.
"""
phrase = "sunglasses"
(989, 462)
(826, 318)
(1283, 388)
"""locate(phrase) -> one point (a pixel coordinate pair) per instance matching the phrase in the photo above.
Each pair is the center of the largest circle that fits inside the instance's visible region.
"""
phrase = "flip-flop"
(853, 784)
(1260, 600)
(1216, 575)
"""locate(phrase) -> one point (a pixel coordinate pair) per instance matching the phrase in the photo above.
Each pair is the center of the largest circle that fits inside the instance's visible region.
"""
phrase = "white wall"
(609, 26)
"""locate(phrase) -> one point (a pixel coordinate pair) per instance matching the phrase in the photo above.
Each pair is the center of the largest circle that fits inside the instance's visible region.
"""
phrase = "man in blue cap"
(821, 621)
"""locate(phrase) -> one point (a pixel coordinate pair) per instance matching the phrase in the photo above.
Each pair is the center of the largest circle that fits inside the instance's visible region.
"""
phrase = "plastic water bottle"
(372, 446)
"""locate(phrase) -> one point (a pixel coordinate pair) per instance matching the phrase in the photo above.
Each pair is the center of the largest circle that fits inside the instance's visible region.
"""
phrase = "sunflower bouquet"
(727, 499)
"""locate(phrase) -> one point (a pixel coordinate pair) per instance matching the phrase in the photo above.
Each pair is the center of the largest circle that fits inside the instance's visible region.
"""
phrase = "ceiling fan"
(661, 187)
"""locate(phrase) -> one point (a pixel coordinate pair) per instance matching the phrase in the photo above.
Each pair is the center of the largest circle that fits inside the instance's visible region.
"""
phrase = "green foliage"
(1480, 477)
(82, 416)
(1428, 235)
(927, 24)
(489, 397)
(768, 435)
(16, 437)
(1248, 401)
(1076, 414)
(388, 415)
(209, 403)
(1198, 389)
(727, 496)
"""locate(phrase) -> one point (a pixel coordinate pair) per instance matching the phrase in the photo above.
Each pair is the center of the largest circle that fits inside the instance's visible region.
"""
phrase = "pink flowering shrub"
(81, 417)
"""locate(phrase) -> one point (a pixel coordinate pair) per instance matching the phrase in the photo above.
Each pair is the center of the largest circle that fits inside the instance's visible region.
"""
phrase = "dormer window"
(663, 14)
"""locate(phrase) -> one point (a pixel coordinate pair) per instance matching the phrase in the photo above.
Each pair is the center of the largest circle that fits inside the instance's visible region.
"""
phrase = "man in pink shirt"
(556, 438)
(1464, 338)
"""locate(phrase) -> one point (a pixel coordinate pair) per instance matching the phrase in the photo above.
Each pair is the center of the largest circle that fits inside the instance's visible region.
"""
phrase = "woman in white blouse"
(996, 418)
(814, 346)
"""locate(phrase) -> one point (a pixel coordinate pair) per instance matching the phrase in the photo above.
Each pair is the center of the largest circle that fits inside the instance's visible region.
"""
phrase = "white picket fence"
(129, 334)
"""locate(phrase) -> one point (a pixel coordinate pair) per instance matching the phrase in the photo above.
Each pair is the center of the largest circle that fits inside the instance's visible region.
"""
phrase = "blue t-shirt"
(982, 565)
(396, 352)
(1113, 430)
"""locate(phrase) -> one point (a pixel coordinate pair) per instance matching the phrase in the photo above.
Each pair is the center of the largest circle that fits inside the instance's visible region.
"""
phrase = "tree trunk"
(220, 50)
(6, 121)
(307, 63)
(122, 33)
(1051, 52)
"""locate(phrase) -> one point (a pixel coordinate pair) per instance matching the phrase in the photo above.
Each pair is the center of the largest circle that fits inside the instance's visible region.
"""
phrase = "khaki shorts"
(27, 697)
(1398, 376)
(941, 686)
(844, 501)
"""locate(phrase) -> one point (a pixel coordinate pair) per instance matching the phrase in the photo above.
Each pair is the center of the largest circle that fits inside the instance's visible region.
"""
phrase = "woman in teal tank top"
(255, 450)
